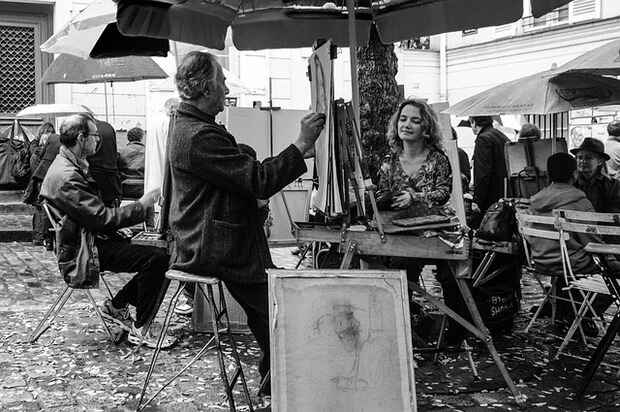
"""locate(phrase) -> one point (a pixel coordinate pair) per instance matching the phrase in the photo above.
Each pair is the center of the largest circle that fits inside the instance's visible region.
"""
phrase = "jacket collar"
(81, 164)
(191, 110)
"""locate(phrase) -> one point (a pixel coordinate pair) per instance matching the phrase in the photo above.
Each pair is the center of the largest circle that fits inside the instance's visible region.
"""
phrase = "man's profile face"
(218, 94)
(588, 162)
(91, 140)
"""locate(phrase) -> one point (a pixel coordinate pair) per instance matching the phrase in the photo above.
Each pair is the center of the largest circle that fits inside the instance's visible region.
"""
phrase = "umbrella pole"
(113, 108)
(355, 96)
(105, 96)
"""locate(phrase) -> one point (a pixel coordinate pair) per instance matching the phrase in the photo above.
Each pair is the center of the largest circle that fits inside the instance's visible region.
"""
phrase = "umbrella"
(53, 110)
(542, 93)
(271, 24)
(602, 60)
(71, 69)
(92, 32)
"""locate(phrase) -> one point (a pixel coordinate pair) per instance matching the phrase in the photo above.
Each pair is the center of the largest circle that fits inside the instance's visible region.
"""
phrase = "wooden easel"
(370, 243)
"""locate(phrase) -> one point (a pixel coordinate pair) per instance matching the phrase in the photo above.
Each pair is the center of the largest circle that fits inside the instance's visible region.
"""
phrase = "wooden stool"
(220, 324)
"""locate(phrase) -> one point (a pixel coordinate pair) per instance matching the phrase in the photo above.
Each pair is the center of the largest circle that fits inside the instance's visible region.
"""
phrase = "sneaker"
(121, 317)
(137, 336)
(184, 306)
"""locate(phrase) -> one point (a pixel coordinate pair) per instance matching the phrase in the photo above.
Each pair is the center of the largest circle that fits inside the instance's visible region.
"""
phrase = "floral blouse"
(433, 179)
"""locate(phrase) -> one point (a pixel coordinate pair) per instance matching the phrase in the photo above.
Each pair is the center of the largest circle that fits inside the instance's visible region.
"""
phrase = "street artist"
(214, 215)
(69, 187)
(416, 179)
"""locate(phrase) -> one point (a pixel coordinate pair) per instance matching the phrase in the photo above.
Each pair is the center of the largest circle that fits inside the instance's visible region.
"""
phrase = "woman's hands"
(404, 199)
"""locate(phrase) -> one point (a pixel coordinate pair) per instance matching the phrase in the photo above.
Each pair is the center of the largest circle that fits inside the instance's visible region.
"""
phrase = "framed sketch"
(340, 341)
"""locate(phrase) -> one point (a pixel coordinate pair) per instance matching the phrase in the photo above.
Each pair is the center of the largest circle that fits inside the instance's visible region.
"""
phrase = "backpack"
(499, 222)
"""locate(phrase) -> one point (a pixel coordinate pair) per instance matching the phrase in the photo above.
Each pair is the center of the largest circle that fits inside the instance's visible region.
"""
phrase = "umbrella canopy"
(542, 93)
(53, 110)
(92, 32)
(71, 69)
(602, 60)
(269, 24)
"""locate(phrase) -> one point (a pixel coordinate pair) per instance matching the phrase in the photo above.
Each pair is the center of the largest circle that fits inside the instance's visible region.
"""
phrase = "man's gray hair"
(72, 126)
(196, 74)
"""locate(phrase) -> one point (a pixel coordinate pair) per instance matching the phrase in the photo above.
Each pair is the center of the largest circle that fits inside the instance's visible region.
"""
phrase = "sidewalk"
(73, 367)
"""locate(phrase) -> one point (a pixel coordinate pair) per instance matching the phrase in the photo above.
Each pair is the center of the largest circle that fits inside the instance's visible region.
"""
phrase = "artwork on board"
(342, 334)
(320, 64)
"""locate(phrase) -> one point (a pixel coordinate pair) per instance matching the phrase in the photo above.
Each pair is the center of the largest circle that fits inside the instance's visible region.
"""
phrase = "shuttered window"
(17, 68)
(580, 10)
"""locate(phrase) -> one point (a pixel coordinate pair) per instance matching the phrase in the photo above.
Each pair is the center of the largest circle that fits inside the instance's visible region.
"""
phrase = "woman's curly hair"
(196, 73)
(430, 126)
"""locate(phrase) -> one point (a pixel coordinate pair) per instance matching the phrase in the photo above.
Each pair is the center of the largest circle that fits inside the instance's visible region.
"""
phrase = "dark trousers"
(143, 289)
(40, 225)
(253, 299)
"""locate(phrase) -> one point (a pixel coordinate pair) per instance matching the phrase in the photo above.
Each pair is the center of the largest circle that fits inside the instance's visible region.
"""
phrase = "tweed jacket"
(68, 187)
(214, 218)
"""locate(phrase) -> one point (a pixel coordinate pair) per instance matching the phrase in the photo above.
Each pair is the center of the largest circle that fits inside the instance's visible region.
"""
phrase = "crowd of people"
(219, 191)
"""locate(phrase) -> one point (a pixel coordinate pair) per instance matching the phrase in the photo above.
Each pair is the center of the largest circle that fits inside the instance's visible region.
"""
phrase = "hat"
(560, 167)
(591, 145)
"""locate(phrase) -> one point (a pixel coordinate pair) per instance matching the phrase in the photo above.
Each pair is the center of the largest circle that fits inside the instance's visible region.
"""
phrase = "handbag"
(499, 222)
(15, 158)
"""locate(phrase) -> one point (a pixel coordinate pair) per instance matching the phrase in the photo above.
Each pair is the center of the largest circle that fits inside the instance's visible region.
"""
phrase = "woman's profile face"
(410, 123)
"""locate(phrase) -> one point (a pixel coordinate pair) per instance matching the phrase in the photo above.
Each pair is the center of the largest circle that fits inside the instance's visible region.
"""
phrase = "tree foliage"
(379, 97)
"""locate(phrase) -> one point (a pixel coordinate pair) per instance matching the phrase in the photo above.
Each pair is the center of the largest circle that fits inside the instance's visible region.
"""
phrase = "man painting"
(69, 187)
(214, 215)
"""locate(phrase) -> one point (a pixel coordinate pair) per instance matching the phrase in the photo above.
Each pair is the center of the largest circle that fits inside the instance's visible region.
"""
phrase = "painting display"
(340, 341)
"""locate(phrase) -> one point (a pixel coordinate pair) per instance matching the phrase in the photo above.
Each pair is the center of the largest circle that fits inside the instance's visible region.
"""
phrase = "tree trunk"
(379, 98)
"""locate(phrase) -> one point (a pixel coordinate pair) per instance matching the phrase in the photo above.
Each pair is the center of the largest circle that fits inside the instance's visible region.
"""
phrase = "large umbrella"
(602, 60)
(542, 93)
(71, 69)
(268, 24)
(53, 110)
(93, 32)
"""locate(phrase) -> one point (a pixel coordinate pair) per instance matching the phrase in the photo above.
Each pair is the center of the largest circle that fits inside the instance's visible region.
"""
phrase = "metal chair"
(590, 285)
(55, 217)
(532, 227)
(220, 324)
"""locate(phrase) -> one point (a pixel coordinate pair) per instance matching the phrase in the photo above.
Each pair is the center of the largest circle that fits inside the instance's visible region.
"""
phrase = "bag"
(80, 270)
(15, 158)
(499, 222)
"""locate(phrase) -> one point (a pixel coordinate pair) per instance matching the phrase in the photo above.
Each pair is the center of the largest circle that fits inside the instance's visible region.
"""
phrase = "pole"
(270, 120)
(355, 96)
(105, 96)
(113, 108)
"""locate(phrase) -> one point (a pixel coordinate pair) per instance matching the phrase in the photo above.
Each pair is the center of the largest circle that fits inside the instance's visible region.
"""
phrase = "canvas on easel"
(340, 341)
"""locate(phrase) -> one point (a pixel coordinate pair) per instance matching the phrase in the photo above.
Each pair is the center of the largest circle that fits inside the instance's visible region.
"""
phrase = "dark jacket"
(214, 218)
(69, 189)
(489, 167)
(546, 252)
(50, 151)
(603, 191)
(103, 165)
(131, 161)
(465, 169)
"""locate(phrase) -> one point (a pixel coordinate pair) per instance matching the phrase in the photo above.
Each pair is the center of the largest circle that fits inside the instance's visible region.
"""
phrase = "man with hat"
(612, 148)
(600, 189)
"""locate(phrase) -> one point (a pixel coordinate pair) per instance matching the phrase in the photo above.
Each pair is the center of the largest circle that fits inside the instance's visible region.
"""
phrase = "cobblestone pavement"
(73, 367)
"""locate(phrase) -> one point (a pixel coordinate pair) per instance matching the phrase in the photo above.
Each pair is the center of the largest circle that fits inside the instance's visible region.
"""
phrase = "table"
(457, 253)
(613, 285)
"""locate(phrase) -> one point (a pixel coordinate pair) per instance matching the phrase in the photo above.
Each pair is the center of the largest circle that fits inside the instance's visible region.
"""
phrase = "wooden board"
(369, 243)
(340, 341)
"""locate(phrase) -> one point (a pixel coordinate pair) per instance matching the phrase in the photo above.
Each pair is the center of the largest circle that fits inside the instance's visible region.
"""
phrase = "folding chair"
(534, 227)
(55, 217)
(590, 285)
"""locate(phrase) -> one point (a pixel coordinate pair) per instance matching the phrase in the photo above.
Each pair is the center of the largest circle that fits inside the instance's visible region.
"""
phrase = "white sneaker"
(184, 306)
(137, 336)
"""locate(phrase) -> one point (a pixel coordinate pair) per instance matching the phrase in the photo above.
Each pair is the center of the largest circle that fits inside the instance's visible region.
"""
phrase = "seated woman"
(416, 180)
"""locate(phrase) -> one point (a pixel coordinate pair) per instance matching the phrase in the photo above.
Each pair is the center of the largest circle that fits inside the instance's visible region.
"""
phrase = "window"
(18, 74)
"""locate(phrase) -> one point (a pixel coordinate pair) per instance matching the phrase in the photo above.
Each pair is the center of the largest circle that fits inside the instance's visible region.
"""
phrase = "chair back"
(532, 227)
(54, 216)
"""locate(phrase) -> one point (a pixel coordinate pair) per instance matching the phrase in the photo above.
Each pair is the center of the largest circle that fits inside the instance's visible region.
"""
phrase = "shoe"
(137, 336)
(121, 317)
(184, 306)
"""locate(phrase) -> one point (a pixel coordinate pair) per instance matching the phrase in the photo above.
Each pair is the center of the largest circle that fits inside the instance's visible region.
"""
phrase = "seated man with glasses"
(600, 189)
(69, 188)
